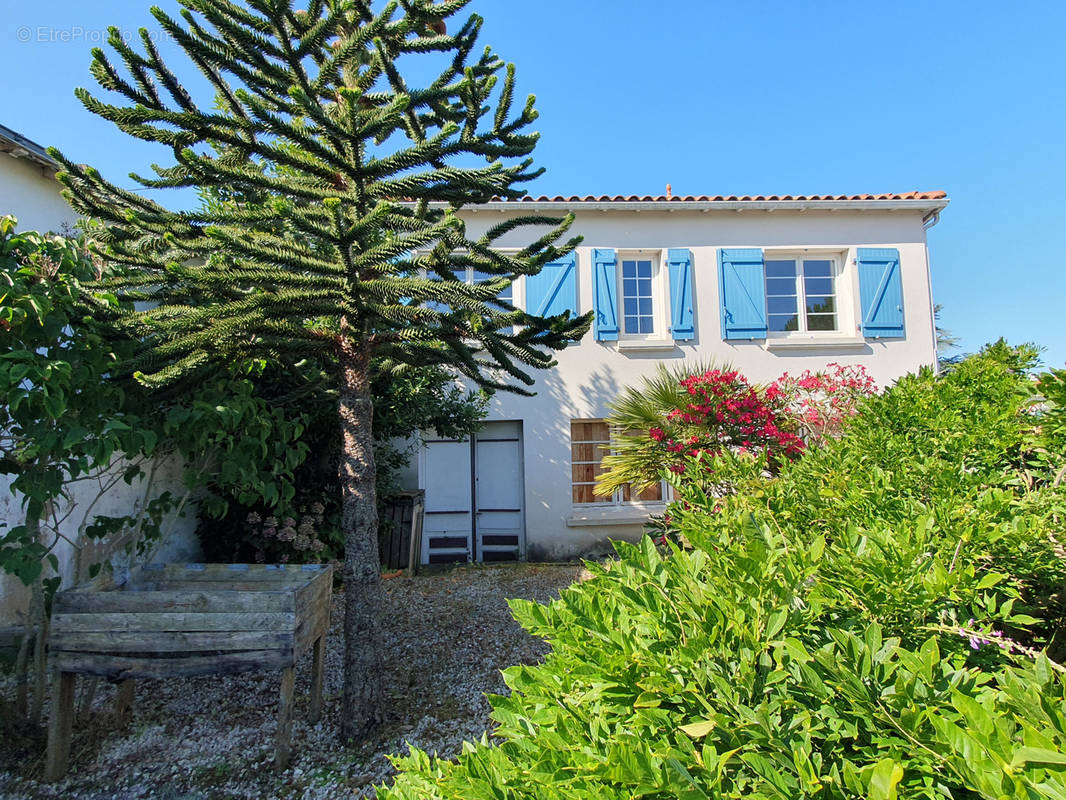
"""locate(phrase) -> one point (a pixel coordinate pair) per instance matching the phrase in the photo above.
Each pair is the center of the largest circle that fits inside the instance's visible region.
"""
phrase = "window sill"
(816, 343)
(646, 344)
(630, 514)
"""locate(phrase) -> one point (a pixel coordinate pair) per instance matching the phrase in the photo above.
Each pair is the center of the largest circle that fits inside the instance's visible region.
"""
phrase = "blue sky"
(778, 97)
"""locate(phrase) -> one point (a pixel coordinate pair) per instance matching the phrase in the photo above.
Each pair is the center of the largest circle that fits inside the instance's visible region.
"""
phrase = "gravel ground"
(447, 637)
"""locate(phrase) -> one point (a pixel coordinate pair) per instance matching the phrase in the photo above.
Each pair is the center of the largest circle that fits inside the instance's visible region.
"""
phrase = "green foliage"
(1052, 422)
(330, 186)
(59, 420)
(295, 417)
(863, 624)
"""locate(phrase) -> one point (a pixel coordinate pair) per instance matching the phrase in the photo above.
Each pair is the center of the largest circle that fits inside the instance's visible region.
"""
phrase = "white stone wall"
(591, 374)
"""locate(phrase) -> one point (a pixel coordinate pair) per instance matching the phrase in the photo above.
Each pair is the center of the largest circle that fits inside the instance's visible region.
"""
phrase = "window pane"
(646, 325)
(644, 269)
(652, 494)
(645, 307)
(783, 322)
(583, 473)
(780, 269)
(781, 305)
(629, 287)
(818, 286)
(630, 304)
(583, 494)
(818, 269)
(629, 269)
(632, 324)
(480, 276)
(585, 452)
(588, 431)
(821, 322)
(781, 286)
(820, 305)
(644, 287)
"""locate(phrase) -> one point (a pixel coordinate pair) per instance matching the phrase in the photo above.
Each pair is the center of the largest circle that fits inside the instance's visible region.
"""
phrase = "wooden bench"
(183, 620)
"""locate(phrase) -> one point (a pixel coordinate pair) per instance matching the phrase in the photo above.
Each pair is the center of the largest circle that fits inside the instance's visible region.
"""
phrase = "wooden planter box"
(182, 620)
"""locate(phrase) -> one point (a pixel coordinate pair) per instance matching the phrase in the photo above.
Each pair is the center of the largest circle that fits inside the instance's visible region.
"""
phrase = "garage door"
(474, 496)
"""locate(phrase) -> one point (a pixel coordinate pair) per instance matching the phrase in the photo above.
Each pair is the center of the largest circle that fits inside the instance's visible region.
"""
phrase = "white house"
(28, 186)
(769, 284)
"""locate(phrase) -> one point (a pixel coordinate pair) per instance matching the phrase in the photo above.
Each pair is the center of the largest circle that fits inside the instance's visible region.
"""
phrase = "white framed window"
(802, 292)
(590, 441)
(642, 295)
(510, 293)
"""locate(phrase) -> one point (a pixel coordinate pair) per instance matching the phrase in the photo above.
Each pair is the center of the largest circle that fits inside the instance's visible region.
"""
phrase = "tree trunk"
(361, 711)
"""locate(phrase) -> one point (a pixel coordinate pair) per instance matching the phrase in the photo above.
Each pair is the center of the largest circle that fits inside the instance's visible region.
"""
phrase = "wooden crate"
(182, 620)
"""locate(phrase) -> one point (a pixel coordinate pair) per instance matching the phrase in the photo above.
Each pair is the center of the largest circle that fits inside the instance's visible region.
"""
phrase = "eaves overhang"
(15, 145)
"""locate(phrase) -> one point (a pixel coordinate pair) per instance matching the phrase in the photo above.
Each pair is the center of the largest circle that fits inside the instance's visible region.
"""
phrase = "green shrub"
(862, 625)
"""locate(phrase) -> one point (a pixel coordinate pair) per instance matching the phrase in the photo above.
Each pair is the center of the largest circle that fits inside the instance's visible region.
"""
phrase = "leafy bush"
(861, 625)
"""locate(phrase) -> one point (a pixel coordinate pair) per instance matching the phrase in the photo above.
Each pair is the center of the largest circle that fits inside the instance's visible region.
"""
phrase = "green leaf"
(1038, 755)
(884, 777)
(697, 730)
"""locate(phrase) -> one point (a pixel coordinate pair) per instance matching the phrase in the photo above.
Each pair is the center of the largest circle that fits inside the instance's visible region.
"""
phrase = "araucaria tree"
(351, 245)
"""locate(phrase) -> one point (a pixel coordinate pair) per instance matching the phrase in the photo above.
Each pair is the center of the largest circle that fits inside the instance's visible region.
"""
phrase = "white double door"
(475, 496)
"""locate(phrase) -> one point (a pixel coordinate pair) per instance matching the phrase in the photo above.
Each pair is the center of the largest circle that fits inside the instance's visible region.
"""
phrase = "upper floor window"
(470, 276)
(638, 311)
(800, 294)
(642, 295)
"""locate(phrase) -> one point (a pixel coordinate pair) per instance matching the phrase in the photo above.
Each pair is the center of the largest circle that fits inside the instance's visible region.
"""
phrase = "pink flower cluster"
(724, 411)
(820, 402)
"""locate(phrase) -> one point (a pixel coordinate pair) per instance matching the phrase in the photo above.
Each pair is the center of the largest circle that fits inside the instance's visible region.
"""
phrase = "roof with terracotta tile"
(758, 198)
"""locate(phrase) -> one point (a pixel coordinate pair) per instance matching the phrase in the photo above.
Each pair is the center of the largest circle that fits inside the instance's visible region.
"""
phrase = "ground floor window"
(590, 441)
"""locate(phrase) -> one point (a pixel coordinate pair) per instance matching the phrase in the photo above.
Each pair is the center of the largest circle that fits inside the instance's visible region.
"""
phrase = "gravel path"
(447, 637)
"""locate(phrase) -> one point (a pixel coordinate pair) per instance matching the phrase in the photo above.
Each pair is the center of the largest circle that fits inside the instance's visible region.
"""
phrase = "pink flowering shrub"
(680, 421)
(818, 403)
(724, 412)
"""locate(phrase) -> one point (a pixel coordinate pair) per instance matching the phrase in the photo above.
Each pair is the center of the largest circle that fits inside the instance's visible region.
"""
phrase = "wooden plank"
(314, 594)
(124, 703)
(318, 663)
(123, 667)
(310, 628)
(282, 750)
(198, 601)
(174, 622)
(168, 641)
(216, 585)
(298, 573)
(59, 726)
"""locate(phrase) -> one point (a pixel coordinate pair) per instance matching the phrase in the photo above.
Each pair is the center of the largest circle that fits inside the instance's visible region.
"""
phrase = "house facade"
(768, 284)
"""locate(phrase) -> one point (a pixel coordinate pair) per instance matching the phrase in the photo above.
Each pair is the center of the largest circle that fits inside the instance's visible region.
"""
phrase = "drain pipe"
(930, 219)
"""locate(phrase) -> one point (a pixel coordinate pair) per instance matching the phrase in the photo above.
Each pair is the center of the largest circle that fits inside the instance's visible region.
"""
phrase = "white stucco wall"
(31, 193)
(86, 500)
(591, 374)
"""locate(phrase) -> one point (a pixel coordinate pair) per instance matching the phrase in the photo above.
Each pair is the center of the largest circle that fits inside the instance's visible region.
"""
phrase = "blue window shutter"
(679, 262)
(553, 290)
(742, 283)
(605, 276)
(880, 292)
